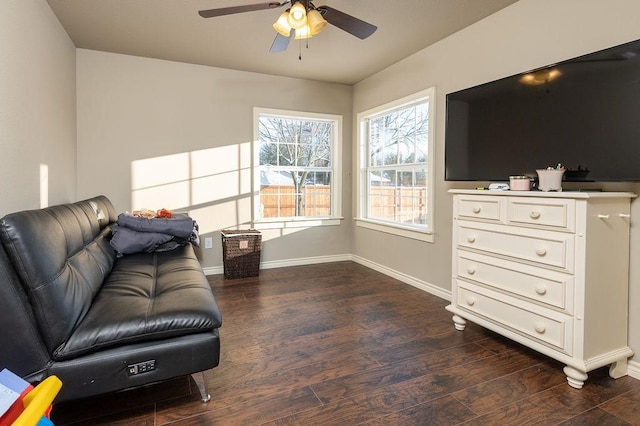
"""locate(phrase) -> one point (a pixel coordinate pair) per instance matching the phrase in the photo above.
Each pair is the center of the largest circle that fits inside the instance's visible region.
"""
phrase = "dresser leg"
(459, 323)
(575, 377)
(618, 369)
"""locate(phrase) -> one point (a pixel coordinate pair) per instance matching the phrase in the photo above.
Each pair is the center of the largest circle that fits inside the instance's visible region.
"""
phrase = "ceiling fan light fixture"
(303, 33)
(297, 16)
(303, 17)
(282, 24)
(539, 77)
(315, 22)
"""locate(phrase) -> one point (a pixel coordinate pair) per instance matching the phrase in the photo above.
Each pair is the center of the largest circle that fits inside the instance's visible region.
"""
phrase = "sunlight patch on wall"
(173, 196)
(158, 171)
(44, 186)
(213, 185)
(219, 160)
(221, 173)
(229, 214)
(275, 233)
(160, 182)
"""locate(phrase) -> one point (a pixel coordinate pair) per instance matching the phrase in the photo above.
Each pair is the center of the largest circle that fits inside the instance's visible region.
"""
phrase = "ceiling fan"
(302, 20)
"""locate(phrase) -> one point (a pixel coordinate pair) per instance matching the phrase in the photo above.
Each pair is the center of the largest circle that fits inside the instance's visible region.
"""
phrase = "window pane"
(295, 167)
(400, 199)
(269, 154)
(399, 137)
(376, 143)
(317, 200)
(396, 167)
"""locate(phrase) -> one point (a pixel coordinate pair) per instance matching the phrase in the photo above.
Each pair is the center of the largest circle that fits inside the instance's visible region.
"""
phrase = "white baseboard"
(407, 279)
(306, 261)
(288, 262)
(215, 270)
(633, 369)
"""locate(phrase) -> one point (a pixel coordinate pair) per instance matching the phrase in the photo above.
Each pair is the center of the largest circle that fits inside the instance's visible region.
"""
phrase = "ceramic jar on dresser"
(548, 270)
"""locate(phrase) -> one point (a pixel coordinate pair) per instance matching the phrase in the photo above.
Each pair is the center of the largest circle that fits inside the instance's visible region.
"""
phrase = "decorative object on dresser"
(550, 179)
(548, 270)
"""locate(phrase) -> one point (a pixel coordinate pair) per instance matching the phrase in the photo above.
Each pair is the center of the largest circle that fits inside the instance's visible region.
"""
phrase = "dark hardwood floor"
(341, 344)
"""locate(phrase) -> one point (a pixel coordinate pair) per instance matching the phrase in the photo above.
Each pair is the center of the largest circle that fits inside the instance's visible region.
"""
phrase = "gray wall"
(524, 36)
(37, 107)
(155, 134)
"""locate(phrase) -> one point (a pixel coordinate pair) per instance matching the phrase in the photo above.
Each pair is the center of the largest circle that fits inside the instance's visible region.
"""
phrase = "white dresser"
(546, 269)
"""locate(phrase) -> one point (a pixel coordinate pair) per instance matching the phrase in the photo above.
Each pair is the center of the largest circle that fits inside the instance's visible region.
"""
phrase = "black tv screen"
(583, 113)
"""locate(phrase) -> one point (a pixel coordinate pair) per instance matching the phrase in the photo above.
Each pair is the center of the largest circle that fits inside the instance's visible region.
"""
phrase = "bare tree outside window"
(399, 137)
(397, 165)
(295, 166)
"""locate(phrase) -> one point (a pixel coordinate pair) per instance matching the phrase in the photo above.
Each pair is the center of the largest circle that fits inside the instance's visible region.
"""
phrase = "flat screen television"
(583, 113)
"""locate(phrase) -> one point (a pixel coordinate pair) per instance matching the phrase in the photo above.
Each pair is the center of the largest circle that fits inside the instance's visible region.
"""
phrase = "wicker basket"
(241, 253)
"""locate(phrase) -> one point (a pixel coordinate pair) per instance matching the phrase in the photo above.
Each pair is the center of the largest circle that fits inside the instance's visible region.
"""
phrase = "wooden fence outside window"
(405, 205)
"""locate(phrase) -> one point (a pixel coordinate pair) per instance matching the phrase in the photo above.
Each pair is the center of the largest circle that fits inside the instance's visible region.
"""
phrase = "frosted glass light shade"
(282, 24)
(297, 16)
(315, 21)
(303, 33)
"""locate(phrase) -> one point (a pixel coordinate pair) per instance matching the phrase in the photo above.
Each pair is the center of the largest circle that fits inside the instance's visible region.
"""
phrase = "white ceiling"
(173, 30)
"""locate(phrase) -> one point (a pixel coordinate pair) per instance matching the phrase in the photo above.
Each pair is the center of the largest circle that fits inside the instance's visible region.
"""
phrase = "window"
(297, 168)
(396, 171)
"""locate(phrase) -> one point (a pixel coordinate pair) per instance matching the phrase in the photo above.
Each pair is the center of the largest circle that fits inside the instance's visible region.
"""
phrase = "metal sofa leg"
(202, 386)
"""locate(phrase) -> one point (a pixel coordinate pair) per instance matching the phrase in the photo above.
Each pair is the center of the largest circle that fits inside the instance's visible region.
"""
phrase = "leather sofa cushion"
(21, 348)
(147, 296)
(62, 255)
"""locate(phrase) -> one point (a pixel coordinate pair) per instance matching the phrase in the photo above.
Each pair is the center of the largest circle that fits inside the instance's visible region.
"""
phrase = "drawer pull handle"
(477, 209)
(541, 289)
(471, 270)
(471, 238)
(541, 251)
(471, 301)
(540, 328)
(625, 215)
(603, 216)
(534, 215)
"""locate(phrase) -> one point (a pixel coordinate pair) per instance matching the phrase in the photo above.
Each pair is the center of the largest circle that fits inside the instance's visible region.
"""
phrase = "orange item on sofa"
(164, 213)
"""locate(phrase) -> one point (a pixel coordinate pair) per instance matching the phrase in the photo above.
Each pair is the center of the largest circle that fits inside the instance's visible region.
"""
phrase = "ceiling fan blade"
(210, 13)
(348, 23)
(280, 43)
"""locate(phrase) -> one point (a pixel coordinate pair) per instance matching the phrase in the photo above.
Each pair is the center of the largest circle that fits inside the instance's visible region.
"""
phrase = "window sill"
(297, 223)
(400, 231)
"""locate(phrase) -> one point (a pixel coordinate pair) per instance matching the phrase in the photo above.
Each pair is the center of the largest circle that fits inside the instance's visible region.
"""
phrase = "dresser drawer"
(551, 288)
(551, 328)
(542, 212)
(479, 207)
(539, 246)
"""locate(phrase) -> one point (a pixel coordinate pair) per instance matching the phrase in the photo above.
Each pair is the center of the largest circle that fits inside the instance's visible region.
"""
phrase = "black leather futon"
(71, 307)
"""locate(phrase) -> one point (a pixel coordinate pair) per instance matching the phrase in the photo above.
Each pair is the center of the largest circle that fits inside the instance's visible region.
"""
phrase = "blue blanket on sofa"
(133, 234)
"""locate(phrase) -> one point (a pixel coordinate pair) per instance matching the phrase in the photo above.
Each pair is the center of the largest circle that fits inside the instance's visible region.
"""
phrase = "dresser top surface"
(542, 194)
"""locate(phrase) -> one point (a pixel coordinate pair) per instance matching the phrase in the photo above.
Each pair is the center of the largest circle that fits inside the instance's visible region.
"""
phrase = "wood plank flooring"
(341, 344)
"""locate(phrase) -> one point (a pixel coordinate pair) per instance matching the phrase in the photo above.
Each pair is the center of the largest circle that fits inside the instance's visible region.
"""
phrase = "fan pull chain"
(300, 48)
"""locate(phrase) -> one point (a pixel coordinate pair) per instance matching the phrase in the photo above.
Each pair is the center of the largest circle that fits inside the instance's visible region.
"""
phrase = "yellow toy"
(38, 402)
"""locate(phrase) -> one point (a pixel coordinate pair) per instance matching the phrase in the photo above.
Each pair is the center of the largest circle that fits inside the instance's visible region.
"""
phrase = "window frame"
(336, 170)
(422, 233)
